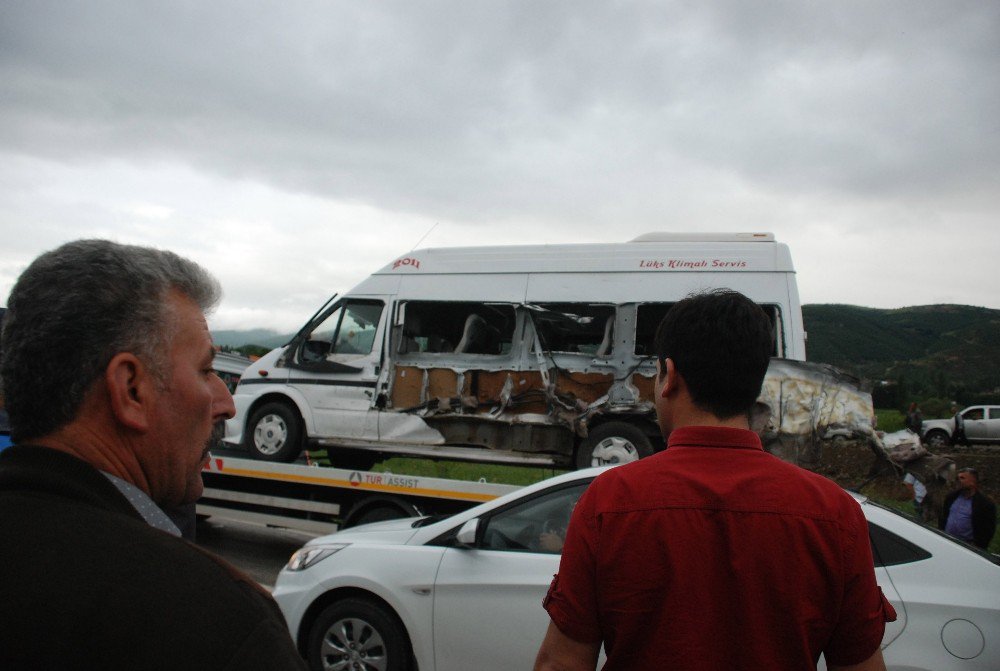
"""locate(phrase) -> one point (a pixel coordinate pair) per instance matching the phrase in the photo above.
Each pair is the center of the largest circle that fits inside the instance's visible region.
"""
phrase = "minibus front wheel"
(274, 433)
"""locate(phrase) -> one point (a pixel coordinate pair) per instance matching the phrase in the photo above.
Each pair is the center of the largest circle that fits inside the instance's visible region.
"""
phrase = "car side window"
(973, 414)
(536, 525)
(888, 549)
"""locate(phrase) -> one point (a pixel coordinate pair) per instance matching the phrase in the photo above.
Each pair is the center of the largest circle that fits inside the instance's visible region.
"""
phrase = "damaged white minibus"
(523, 354)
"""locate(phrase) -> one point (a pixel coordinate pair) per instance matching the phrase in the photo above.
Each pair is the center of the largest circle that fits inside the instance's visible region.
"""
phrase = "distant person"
(107, 371)
(918, 494)
(967, 513)
(959, 436)
(914, 419)
(714, 554)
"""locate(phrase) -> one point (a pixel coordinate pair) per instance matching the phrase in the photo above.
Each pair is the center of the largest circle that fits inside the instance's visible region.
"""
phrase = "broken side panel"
(805, 401)
(479, 374)
(497, 396)
(470, 369)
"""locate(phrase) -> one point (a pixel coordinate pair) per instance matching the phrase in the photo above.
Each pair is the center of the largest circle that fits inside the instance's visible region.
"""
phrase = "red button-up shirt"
(716, 555)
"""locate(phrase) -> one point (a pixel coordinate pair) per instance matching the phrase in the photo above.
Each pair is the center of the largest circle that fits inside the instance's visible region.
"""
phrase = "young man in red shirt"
(714, 554)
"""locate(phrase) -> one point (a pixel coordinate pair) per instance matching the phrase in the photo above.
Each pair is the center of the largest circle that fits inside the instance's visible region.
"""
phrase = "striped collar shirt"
(154, 516)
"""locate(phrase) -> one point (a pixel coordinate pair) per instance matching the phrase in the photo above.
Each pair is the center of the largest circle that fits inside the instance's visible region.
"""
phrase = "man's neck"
(694, 416)
(105, 451)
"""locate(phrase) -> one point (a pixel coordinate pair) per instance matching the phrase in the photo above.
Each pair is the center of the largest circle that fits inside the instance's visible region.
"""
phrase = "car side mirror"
(466, 536)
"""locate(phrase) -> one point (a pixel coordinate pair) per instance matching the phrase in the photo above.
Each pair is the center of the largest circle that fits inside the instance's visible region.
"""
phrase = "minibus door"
(336, 366)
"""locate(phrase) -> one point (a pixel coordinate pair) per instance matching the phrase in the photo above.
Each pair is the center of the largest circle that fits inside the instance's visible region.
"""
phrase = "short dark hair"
(73, 309)
(720, 342)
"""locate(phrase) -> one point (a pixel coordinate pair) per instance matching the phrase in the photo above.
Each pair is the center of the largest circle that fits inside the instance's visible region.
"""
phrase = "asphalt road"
(260, 551)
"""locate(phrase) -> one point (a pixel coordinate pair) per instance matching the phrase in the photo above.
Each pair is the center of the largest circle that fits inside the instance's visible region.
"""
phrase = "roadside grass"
(889, 420)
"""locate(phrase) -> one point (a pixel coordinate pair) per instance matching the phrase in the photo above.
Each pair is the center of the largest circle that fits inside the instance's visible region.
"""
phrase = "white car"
(465, 592)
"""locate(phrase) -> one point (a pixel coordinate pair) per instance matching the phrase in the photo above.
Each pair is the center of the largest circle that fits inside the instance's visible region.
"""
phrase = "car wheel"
(358, 635)
(613, 443)
(936, 439)
(274, 433)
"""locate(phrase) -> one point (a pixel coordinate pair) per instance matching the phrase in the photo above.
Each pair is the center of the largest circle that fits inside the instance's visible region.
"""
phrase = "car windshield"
(983, 553)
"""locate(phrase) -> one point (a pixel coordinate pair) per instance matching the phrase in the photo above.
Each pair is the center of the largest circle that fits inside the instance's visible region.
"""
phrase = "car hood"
(393, 532)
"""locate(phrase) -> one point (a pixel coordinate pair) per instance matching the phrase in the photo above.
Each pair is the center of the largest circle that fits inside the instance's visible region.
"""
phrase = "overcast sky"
(294, 147)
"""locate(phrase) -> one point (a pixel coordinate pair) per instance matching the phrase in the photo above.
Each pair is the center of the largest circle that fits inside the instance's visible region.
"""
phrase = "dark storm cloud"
(486, 110)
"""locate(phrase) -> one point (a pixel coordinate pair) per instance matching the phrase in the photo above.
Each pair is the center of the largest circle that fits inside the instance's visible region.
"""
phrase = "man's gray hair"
(76, 307)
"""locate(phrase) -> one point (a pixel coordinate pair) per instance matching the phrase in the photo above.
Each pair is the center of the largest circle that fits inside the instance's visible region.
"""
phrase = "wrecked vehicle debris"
(530, 355)
(805, 402)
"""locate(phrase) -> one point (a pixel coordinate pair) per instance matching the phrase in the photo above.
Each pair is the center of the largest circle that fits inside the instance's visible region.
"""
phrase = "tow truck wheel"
(358, 634)
(379, 509)
(274, 433)
(613, 443)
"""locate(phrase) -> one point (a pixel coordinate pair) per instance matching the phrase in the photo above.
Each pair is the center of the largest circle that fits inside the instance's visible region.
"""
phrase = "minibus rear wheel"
(613, 443)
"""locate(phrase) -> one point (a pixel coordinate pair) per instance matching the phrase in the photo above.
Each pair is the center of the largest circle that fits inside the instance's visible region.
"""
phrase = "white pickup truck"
(978, 423)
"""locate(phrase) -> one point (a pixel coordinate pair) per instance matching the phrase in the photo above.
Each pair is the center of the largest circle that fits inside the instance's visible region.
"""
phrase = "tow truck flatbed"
(320, 499)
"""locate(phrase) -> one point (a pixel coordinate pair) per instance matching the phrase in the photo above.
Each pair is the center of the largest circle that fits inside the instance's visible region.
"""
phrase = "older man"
(113, 404)
(714, 554)
(967, 513)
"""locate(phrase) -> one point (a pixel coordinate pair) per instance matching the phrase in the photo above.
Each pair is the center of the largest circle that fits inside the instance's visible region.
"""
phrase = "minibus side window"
(457, 327)
(649, 316)
(576, 328)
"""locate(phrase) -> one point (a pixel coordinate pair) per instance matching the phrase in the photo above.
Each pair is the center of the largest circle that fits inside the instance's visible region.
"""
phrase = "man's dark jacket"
(85, 583)
(984, 517)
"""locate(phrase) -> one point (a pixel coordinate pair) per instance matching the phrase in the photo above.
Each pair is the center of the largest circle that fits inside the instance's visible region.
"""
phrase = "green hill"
(266, 338)
(944, 351)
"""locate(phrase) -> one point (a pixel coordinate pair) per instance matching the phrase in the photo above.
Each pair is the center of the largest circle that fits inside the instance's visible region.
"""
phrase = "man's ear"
(130, 385)
(671, 378)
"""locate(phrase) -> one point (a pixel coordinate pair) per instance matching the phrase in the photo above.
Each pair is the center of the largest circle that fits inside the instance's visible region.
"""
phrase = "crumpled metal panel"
(806, 401)
(800, 402)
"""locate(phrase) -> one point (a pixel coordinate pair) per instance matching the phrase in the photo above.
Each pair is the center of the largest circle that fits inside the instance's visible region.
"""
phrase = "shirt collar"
(150, 512)
(714, 436)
